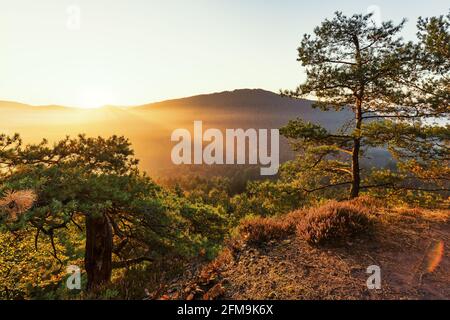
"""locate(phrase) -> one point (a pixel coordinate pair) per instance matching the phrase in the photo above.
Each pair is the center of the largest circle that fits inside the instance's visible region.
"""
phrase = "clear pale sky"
(129, 52)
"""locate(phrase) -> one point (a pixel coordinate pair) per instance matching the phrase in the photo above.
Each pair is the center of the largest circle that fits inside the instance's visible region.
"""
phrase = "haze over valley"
(149, 126)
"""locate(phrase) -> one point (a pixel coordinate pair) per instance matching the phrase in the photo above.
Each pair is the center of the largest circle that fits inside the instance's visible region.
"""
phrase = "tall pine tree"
(398, 93)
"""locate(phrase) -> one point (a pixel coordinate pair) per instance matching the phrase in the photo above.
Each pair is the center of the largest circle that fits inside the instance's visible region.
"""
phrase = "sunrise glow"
(95, 98)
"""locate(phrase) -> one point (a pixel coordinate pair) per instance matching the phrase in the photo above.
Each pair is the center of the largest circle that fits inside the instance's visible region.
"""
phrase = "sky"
(87, 53)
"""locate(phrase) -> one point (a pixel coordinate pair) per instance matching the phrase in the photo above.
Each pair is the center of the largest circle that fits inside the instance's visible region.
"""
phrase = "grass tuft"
(335, 221)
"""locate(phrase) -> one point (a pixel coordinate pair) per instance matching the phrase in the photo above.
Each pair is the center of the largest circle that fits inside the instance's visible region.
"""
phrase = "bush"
(334, 221)
(371, 203)
(259, 230)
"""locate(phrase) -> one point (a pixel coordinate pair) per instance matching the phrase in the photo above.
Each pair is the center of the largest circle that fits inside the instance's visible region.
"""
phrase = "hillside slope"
(409, 245)
(149, 127)
(251, 107)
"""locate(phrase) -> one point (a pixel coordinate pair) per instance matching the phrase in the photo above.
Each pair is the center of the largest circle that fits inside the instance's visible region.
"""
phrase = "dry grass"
(335, 221)
(374, 205)
(409, 244)
(330, 222)
(14, 203)
(258, 231)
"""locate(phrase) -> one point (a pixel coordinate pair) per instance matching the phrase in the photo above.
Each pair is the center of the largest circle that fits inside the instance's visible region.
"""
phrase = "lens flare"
(435, 256)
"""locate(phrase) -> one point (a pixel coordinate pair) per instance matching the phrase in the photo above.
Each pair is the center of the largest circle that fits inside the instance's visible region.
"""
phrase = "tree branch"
(327, 186)
(127, 263)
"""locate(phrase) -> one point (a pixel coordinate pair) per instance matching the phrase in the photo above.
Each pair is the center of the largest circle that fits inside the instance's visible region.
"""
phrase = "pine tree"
(95, 185)
(395, 90)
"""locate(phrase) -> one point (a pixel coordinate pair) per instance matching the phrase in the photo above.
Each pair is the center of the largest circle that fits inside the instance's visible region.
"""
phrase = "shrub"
(293, 218)
(334, 221)
(368, 202)
(259, 230)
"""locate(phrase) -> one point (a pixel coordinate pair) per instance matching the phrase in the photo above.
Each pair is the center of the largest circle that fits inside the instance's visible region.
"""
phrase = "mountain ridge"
(234, 94)
(149, 126)
(227, 94)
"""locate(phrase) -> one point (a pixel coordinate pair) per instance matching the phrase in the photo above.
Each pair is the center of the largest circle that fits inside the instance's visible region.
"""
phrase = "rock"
(175, 296)
(214, 293)
(190, 297)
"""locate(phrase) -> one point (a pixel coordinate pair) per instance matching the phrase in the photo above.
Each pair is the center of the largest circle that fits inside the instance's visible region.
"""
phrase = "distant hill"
(149, 126)
(263, 107)
(10, 105)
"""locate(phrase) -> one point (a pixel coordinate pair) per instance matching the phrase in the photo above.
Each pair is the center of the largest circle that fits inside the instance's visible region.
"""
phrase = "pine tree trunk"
(98, 256)
(356, 179)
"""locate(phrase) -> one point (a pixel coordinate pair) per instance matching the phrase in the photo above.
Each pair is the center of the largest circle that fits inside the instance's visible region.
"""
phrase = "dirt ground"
(411, 247)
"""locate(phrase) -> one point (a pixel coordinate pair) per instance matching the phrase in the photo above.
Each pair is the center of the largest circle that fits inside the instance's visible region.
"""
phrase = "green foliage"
(30, 272)
(267, 198)
(404, 140)
(346, 53)
(86, 177)
(398, 92)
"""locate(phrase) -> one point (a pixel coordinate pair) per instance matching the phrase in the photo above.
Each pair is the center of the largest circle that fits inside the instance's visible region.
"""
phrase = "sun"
(95, 98)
